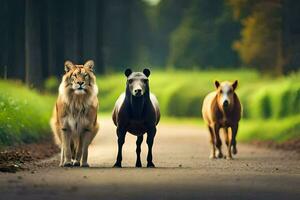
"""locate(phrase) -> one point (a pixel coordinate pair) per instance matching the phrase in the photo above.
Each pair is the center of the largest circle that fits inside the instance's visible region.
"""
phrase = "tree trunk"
(33, 57)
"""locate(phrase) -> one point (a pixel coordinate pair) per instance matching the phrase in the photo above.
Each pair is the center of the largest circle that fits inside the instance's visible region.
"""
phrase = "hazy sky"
(152, 2)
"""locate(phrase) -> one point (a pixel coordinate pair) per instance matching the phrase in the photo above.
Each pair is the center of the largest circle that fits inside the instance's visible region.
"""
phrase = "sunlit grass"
(24, 114)
(272, 129)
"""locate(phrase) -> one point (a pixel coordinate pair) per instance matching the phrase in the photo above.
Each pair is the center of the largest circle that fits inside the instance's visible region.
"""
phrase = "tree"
(204, 36)
(261, 43)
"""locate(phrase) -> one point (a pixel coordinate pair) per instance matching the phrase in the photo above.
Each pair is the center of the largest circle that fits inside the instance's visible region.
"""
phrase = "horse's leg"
(138, 151)
(150, 138)
(234, 130)
(228, 143)
(212, 142)
(62, 156)
(218, 142)
(121, 139)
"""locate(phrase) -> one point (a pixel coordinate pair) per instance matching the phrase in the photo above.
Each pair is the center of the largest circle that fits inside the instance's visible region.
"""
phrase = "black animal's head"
(137, 82)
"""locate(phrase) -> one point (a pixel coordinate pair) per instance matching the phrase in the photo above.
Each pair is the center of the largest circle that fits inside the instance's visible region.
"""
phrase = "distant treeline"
(37, 36)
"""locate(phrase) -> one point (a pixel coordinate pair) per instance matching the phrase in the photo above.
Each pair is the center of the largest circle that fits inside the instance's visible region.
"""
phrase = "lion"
(74, 121)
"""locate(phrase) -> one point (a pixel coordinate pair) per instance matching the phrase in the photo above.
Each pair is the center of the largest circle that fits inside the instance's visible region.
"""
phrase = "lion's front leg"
(78, 152)
(66, 148)
(85, 147)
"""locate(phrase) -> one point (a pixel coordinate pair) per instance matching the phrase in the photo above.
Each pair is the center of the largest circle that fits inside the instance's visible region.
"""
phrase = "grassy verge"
(24, 114)
(273, 129)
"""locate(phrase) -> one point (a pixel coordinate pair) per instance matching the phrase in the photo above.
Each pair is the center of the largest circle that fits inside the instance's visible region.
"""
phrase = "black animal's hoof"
(85, 165)
(117, 165)
(138, 164)
(67, 164)
(150, 165)
(234, 150)
(76, 164)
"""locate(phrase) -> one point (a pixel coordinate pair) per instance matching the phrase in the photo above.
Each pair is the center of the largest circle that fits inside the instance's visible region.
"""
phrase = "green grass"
(24, 114)
(273, 129)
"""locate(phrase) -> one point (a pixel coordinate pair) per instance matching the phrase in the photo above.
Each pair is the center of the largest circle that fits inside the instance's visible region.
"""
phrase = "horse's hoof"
(85, 165)
(220, 155)
(117, 165)
(76, 163)
(212, 157)
(150, 165)
(229, 158)
(234, 150)
(138, 165)
(67, 164)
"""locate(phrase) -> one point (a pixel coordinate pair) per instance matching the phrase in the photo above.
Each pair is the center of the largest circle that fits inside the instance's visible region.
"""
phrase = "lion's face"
(79, 78)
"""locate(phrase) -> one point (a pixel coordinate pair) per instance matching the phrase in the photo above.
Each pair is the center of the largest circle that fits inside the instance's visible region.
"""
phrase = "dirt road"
(183, 172)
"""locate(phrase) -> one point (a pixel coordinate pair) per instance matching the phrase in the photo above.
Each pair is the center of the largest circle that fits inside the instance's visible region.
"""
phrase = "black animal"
(136, 111)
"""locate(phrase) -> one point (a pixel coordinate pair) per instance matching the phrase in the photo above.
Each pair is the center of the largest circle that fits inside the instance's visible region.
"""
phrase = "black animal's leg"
(138, 151)
(121, 139)
(150, 138)
(234, 130)
(218, 142)
(212, 141)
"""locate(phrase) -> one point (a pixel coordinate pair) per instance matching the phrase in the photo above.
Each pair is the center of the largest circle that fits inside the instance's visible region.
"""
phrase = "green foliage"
(204, 37)
(272, 99)
(260, 45)
(51, 84)
(24, 114)
(273, 129)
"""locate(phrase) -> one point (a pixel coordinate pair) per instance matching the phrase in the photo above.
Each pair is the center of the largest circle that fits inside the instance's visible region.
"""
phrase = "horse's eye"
(221, 91)
(130, 81)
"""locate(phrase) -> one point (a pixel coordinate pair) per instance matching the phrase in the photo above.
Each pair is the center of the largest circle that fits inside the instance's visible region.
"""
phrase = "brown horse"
(222, 109)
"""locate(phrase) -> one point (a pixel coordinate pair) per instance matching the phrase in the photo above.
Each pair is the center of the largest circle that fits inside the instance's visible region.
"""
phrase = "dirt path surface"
(183, 171)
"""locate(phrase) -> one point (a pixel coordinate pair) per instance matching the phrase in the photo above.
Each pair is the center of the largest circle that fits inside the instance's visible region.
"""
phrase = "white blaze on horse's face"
(225, 93)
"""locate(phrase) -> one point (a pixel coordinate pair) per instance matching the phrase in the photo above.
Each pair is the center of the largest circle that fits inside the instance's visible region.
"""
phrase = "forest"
(37, 36)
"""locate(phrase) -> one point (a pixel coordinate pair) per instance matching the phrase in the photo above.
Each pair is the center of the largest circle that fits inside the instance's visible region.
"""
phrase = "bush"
(24, 115)
(51, 84)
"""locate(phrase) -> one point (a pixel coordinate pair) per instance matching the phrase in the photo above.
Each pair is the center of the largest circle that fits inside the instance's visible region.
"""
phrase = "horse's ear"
(147, 72)
(235, 84)
(217, 84)
(127, 72)
(68, 66)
